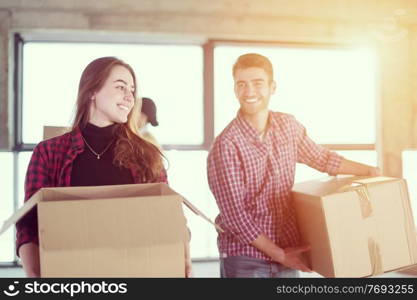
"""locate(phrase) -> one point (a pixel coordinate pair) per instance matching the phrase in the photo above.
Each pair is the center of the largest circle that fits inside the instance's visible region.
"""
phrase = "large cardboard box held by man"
(135, 230)
(356, 227)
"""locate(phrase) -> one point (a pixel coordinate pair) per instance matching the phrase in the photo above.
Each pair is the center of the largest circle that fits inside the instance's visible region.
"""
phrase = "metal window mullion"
(18, 123)
(17, 91)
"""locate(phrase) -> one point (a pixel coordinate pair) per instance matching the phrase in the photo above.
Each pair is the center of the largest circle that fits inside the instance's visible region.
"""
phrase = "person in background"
(148, 116)
(103, 148)
(250, 170)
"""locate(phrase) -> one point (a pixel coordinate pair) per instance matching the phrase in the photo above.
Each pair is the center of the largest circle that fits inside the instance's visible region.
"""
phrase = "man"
(251, 170)
(148, 116)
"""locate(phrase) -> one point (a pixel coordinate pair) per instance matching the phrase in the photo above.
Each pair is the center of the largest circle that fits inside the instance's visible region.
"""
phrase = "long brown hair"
(131, 151)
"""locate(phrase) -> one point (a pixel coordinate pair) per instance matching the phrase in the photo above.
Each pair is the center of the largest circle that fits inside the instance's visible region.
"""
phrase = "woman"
(101, 149)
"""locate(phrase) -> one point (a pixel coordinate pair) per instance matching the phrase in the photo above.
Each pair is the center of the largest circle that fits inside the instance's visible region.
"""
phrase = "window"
(187, 175)
(325, 89)
(170, 75)
(6, 205)
(23, 159)
(304, 172)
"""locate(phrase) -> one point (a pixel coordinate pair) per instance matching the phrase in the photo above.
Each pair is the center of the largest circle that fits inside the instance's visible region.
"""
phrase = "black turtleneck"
(87, 170)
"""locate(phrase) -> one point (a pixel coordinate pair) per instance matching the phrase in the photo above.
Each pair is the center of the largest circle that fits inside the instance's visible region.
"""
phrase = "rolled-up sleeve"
(314, 155)
(226, 180)
(36, 178)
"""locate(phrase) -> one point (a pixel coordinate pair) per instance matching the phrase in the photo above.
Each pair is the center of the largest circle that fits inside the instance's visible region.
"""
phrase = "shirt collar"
(274, 123)
(248, 129)
(274, 126)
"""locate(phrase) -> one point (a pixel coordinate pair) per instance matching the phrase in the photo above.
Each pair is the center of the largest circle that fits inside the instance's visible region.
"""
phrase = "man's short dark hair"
(254, 60)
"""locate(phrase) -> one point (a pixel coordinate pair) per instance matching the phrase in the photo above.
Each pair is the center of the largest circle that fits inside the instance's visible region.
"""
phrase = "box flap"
(54, 131)
(378, 179)
(411, 226)
(330, 185)
(166, 190)
(103, 192)
(18, 214)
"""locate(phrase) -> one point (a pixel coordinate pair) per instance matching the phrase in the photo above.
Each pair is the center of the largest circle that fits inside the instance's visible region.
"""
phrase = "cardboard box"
(356, 227)
(135, 230)
(54, 131)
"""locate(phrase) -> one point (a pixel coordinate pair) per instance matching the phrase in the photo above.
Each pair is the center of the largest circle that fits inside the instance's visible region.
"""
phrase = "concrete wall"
(5, 101)
(348, 21)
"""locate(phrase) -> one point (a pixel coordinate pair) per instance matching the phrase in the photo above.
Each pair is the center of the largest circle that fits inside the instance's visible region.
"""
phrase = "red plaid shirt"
(252, 181)
(51, 166)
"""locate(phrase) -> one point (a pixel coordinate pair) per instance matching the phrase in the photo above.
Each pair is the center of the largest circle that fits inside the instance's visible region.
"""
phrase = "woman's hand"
(29, 254)
(188, 264)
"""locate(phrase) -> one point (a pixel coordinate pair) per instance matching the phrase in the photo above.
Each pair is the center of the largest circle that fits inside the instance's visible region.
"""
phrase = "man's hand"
(350, 167)
(374, 171)
(29, 253)
(290, 257)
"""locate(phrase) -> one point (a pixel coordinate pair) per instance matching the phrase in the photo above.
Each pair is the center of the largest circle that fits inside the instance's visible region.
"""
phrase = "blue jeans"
(247, 267)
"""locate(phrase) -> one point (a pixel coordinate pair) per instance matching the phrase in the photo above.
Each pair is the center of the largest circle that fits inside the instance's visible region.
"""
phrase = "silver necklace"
(94, 152)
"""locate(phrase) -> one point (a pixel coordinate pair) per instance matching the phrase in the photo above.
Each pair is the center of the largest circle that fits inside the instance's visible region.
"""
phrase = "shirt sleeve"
(226, 180)
(314, 155)
(36, 178)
